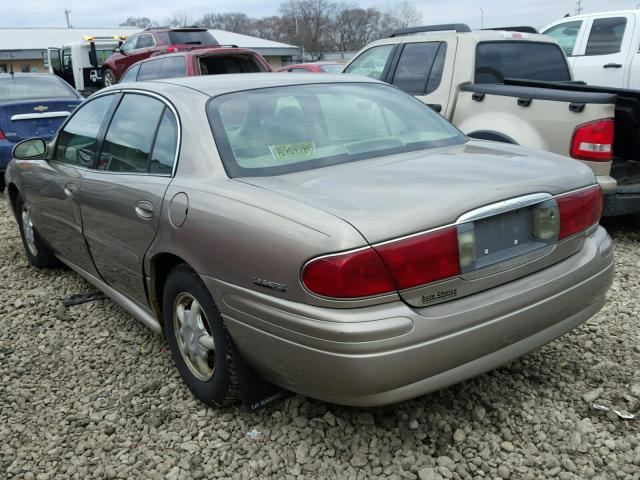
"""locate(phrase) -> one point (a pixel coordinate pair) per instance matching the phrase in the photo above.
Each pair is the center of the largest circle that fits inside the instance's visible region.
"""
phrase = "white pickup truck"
(602, 48)
(515, 86)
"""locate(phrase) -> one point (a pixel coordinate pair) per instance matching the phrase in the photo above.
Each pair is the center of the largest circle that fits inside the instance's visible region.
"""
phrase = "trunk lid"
(397, 195)
(34, 118)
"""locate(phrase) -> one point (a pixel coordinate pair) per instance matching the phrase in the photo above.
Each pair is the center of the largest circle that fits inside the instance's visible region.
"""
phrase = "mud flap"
(256, 391)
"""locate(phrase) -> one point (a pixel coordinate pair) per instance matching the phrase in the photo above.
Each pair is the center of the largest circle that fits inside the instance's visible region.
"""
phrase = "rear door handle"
(144, 209)
(70, 189)
(612, 65)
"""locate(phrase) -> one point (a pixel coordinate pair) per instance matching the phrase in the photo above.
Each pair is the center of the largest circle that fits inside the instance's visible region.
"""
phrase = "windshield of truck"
(274, 131)
(540, 61)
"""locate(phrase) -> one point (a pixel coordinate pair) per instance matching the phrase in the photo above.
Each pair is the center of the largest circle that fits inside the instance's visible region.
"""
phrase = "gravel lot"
(88, 392)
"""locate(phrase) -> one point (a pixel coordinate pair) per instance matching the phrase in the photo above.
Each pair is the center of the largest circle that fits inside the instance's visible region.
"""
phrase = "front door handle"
(612, 65)
(144, 209)
(70, 189)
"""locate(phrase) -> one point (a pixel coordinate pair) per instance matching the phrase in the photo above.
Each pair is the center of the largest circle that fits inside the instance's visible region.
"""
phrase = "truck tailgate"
(532, 117)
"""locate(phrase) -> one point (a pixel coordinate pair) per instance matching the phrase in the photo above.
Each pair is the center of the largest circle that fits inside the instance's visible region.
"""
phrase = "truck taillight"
(579, 210)
(360, 273)
(172, 49)
(593, 141)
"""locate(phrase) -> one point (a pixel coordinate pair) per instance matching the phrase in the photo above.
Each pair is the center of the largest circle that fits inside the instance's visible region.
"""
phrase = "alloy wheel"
(29, 233)
(194, 339)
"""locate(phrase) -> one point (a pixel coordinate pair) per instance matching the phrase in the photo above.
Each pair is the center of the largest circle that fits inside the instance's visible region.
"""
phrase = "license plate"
(502, 237)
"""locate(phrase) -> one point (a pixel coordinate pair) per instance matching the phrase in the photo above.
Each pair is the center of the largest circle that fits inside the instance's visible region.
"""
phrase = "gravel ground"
(88, 392)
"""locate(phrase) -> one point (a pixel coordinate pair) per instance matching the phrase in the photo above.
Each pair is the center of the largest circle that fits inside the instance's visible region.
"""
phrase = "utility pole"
(66, 14)
(481, 18)
(579, 7)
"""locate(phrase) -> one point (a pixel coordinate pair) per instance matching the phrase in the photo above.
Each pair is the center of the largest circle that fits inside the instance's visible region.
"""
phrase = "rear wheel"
(38, 252)
(199, 341)
(109, 78)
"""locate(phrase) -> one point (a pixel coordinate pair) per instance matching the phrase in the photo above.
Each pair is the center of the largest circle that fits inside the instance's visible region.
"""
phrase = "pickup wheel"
(109, 78)
(38, 252)
(199, 340)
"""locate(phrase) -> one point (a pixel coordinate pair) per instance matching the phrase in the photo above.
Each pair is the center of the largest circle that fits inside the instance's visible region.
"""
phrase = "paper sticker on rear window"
(293, 151)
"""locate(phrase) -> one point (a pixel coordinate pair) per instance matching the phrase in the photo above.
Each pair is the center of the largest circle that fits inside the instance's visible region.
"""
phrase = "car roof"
(213, 85)
(477, 35)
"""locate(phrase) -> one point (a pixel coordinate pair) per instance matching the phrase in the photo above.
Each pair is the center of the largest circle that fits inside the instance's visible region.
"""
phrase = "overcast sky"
(109, 13)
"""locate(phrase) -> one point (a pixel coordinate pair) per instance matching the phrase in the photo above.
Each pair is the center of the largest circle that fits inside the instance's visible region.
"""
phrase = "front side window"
(371, 63)
(606, 36)
(130, 135)
(131, 74)
(130, 44)
(78, 140)
(542, 61)
(274, 131)
(566, 34)
(150, 70)
(415, 66)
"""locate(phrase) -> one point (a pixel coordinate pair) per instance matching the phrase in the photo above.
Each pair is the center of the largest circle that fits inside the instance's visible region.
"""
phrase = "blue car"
(31, 105)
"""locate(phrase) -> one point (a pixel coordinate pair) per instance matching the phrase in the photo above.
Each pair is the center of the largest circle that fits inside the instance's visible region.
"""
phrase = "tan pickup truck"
(513, 85)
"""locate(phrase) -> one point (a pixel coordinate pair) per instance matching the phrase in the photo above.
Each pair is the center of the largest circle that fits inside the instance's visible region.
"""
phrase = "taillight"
(593, 141)
(423, 258)
(349, 275)
(2, 137)
(579, 210)
(172, 49)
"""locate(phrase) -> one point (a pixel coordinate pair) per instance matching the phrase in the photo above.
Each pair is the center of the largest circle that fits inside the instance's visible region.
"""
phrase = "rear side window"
(164, 149)
(606, 36)
(566, 34)
(222, 64)
(78, 140)
(129, 138)
(371, 63)
(496, 61)
(415, 67)
(145, 41)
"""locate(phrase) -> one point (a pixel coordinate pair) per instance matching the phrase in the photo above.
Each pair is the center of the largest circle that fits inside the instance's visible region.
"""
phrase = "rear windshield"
(496, 61)
(221, 64)
(332, 68)
(274, 131)
(188, 37)
(27, 87)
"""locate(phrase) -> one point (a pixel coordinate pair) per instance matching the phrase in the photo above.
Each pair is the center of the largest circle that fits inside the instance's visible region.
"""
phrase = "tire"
(109, 78)
(39, 254)
(220, 387)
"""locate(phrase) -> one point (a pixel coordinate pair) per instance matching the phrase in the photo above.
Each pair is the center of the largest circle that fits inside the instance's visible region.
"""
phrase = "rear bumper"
(6, 148)
(624, 201)
(392, 352)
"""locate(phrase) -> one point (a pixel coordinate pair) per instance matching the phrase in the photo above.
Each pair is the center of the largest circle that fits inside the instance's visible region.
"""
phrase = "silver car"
(331, 234)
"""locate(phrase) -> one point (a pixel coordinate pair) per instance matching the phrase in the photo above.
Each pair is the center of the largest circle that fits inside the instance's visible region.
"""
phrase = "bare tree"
(233, 21)
(309, 24)
(141, 22)
(179, 19)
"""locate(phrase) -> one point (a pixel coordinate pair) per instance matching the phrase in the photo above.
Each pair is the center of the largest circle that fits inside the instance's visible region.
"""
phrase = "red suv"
(203, 61)
(153, 40)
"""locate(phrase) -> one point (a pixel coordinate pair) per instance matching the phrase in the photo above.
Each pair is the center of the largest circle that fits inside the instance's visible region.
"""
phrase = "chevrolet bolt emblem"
(40, 108)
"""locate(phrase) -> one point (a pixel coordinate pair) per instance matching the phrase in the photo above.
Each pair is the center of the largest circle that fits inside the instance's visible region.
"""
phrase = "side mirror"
(30, 149)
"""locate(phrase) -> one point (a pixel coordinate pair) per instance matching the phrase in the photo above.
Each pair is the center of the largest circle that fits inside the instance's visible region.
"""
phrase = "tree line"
(318, 26)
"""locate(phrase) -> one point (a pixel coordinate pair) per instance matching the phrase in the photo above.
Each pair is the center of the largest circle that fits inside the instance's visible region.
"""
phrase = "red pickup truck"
(200, 61)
